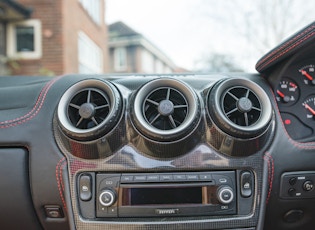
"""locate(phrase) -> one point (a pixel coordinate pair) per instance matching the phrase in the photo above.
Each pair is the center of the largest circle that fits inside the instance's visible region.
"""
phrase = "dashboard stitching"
(60, 175)
(59, 167)
(271, 171)
(288, 49)
(30, 115)
(261, 64)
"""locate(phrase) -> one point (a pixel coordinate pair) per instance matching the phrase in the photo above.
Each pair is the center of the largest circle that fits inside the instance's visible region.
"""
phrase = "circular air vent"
(240, 107)
(89, 109)
(165, 109)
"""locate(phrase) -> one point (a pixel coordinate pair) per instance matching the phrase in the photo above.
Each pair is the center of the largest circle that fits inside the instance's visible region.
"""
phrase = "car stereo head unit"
(165, 194)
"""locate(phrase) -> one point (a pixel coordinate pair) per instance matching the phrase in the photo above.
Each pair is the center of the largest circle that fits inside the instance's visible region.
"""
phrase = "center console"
(176, 194)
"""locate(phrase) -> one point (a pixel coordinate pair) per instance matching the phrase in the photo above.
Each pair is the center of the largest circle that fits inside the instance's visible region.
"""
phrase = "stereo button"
(166, 177)
(192, 177)
(153, 178)
(179, 177)
(139, 178)
(225, 195)
(205, 177)
(107, 198)
(126, 178)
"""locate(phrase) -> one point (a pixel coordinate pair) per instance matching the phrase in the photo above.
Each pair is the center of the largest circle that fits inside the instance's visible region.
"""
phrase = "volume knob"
(225, 195)
(107, 197)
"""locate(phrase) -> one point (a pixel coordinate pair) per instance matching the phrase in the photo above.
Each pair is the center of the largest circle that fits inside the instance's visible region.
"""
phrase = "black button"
(140, 178)
(53, 211)
(205, 177)
(246, 184)
(153, 178)
(220, 179)
(192, 177)
(226, 195)
(85, 187)
(180, 177)
(291, 191)
(126, 178)
(166, 177)
(292, 181)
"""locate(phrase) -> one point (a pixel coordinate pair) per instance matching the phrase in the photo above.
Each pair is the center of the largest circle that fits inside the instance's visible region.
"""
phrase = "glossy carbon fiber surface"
(209, 149)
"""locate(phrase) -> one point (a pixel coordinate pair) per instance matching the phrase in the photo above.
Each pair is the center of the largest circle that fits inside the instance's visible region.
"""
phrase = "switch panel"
(246, 184)
(297, 185)
(85, 187)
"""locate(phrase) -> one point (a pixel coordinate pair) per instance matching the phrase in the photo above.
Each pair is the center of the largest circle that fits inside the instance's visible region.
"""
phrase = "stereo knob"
(225, 195)
(107, 197)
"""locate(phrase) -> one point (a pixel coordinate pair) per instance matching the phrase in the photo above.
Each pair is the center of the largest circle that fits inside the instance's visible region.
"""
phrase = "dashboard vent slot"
(88, 108)
(165, 108)
(241, 106)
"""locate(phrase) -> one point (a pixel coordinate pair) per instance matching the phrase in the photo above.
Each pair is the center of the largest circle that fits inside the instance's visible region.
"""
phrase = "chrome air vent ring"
(89, 109)
(165, 109)
(240, 107)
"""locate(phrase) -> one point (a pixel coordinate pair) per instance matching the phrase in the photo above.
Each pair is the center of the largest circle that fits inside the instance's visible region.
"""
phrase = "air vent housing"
(89, 109)
(240, 107)
(165, 109)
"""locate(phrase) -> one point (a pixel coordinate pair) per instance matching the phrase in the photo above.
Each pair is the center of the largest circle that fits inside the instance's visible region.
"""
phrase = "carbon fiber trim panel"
(207, 153)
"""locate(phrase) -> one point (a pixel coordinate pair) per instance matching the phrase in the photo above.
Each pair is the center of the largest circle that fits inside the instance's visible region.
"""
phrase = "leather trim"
(34, 111)
(286, 48)
(59, 167)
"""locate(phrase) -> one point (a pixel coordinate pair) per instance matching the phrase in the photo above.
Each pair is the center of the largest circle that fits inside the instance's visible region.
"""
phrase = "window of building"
(159, 66)
(93, 8)
(24, 39)
(120, 59)
(90, 55)
(147, 61)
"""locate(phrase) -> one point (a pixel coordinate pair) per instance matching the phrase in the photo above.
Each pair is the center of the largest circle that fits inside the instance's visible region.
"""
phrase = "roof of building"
(122, 35)
(121, 29)
(12, 10)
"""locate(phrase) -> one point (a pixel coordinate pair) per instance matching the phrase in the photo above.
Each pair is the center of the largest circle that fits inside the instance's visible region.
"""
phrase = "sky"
(188, 31)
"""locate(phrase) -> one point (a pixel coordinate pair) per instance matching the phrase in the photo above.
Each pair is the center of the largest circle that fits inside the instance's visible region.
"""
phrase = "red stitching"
(285, 51)
(270, 177)
(39, 103)
(60, 175)
(58, 167)
(260, 63)
(38, 99)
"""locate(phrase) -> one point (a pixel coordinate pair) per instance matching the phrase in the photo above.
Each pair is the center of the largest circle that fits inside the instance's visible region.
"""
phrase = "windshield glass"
(143, 36)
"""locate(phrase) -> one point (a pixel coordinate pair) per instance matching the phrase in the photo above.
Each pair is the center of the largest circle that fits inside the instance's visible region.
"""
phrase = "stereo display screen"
(163, 195)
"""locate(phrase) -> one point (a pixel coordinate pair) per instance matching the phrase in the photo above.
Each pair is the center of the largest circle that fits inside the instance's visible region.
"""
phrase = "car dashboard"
(178, 151)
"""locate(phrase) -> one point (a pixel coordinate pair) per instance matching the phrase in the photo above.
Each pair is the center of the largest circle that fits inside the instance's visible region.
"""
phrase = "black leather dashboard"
(53, 131)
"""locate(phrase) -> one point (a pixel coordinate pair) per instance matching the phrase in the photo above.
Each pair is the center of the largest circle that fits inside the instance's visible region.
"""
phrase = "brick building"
(131, 52)
(54, 36)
